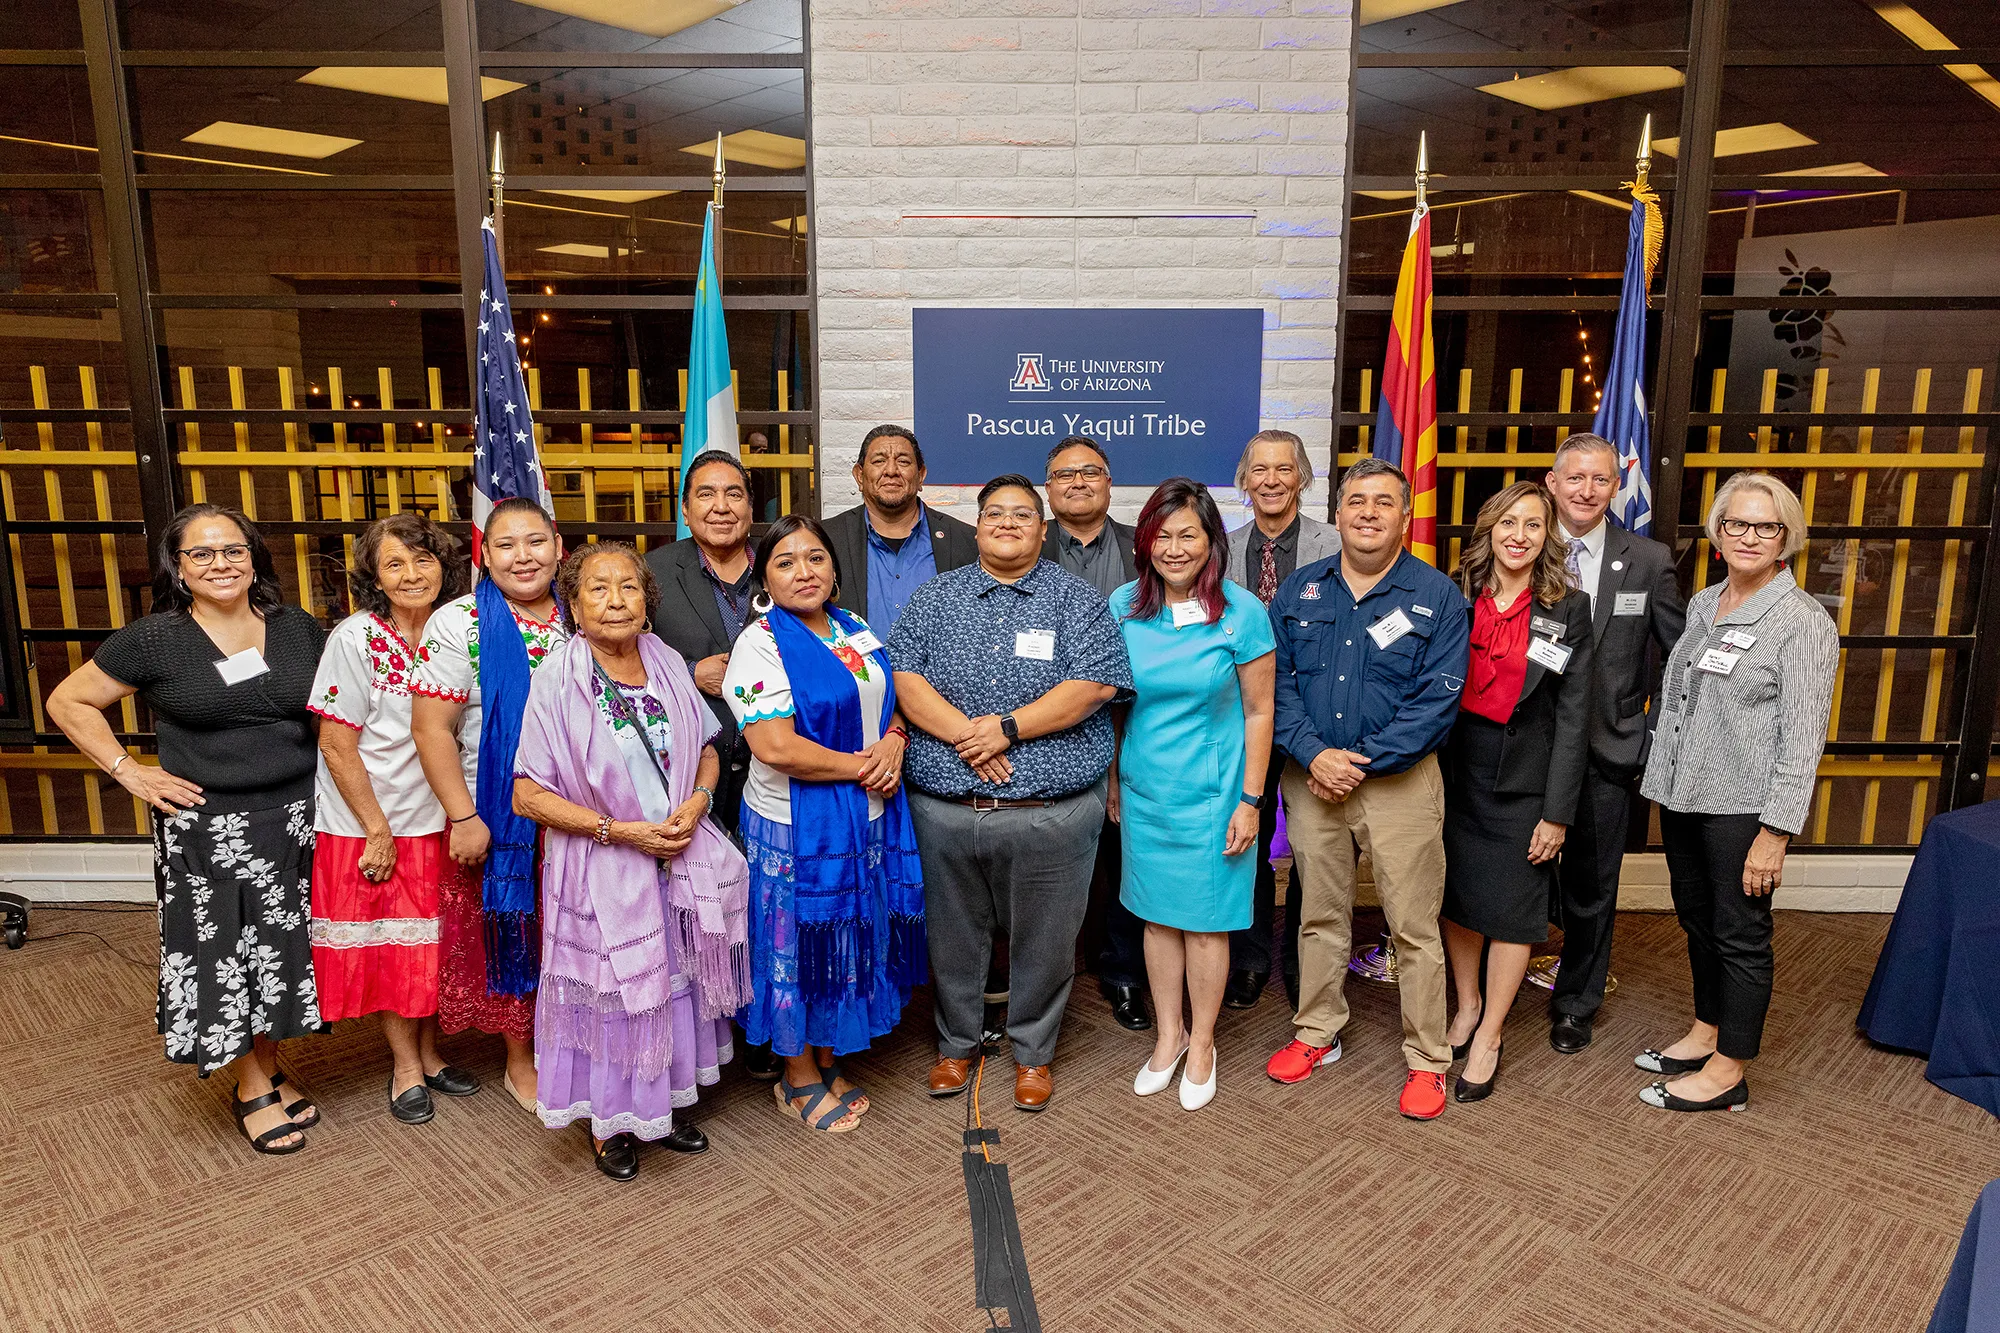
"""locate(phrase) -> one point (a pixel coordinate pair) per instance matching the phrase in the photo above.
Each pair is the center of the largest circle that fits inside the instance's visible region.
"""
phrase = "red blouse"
(1499, 664)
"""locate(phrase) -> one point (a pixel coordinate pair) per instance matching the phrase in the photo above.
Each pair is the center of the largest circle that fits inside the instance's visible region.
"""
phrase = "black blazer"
(1630, 649)
(1120, 533)
(952, 544)
(687, 619)
(1547, 741)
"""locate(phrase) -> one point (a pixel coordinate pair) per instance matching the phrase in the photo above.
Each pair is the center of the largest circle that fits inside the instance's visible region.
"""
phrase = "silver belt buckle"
(985, 803)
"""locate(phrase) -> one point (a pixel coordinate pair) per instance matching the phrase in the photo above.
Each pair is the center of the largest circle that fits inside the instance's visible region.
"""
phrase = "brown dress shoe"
(1032, 1087)
(948, 1076)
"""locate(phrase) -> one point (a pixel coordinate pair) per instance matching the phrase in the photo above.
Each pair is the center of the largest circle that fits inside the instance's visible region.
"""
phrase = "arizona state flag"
(1406, 421)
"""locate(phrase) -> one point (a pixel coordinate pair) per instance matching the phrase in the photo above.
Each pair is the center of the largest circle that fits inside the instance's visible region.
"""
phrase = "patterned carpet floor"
(1834, 1204)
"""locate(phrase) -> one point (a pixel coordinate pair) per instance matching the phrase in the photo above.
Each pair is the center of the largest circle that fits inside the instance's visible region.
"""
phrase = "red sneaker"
(1423, 1095)
(1296, 1062)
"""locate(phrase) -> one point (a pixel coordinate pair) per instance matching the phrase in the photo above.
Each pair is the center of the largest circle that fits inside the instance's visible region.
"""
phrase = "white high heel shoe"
(1195, 1095)
(1151, 1080)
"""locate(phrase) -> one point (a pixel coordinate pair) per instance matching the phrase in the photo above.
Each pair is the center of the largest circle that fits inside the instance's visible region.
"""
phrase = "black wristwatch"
(1258, 803)
(1010, 729)
(1775, 832)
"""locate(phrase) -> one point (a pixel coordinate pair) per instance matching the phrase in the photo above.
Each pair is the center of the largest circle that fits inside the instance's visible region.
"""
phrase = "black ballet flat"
(617, 1157)
(452, 1082)
(1653, 1062)
(1734, 1099)
(414, 1107)
(1464, 1091)
(686, 1137)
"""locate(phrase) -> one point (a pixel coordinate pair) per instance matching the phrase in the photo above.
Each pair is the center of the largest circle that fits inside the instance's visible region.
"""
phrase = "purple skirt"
(572, 1085)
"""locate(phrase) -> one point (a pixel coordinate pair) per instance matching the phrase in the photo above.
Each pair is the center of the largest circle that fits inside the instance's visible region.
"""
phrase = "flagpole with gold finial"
(1643, 193)
(721, 177)
(499, 201)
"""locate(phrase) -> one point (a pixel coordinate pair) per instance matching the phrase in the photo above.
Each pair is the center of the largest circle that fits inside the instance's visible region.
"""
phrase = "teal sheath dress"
(1180, 764)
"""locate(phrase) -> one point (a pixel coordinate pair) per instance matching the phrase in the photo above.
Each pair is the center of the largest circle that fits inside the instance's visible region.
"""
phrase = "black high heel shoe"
(1458, 1052)
(1464, 1091)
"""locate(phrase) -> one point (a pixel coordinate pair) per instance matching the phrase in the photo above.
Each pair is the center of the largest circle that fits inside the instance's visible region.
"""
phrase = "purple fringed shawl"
(612, 942)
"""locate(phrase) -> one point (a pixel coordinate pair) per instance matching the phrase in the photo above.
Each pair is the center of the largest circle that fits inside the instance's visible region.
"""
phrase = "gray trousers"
(1024, 873)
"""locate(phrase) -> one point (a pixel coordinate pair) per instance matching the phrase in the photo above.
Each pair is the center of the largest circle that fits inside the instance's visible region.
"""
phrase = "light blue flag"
(711, 397)
(1621, 417)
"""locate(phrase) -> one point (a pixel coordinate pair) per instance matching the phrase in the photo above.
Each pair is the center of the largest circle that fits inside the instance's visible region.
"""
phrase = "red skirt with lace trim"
(463, 999)
(375, 946)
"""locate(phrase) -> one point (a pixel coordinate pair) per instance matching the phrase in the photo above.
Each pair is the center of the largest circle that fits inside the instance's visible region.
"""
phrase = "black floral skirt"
(235, 961)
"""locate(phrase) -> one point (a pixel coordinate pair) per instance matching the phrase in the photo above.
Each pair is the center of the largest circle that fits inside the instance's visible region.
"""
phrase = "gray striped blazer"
(1747, 742)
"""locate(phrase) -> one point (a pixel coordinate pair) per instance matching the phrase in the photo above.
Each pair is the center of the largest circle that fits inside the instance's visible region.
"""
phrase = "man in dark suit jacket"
(891, 543)
(705, 587)
(1637, 616)
(1089, 543)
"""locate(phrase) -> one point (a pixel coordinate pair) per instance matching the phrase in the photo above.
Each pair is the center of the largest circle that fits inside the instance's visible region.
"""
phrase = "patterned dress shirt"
(981, 644)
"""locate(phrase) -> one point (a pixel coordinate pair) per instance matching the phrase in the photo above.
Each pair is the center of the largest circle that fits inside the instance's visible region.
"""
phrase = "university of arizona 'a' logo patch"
(1028, 374)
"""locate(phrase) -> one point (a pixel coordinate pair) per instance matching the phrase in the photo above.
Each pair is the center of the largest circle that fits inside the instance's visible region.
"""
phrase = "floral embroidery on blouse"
(389, 657)
(332, 693)
(748, 694)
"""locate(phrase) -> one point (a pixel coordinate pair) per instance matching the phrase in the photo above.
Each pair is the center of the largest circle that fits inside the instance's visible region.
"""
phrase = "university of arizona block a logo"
(1028, 374)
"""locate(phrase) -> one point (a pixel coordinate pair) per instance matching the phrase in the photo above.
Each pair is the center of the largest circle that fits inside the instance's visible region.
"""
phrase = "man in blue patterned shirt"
(1003, 669)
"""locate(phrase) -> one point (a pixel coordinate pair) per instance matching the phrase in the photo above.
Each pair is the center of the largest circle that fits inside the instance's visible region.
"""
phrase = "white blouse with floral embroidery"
(448, 667)
(364, 683)
(758, 690)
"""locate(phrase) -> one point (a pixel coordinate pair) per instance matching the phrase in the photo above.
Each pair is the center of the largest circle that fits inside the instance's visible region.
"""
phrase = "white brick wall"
(940, 105)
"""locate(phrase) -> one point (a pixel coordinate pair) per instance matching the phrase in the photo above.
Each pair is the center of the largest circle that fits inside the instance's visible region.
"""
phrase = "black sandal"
(303, 1106)
(264, 1142)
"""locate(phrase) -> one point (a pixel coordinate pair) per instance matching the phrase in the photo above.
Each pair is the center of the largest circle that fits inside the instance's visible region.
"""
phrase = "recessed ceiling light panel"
(412, 83)
(756, 148)
(1585, 84)
(1769, 137)
(649, 18)
(265, 139)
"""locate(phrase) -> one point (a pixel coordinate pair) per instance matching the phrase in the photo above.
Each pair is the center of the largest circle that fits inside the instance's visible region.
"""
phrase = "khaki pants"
(1399, 822)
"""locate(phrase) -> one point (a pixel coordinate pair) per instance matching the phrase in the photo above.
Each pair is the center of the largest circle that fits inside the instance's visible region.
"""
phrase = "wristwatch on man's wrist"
(1254, 802)
(1010, 729)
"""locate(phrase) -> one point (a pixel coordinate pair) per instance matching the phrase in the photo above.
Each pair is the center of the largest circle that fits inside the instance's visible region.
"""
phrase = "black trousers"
(1728, 931)
(1121, 946)
(1250, 950)
(1587, 892)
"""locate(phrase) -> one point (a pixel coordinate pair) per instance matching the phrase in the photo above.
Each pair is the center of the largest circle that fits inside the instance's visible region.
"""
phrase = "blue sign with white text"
(1168, 393)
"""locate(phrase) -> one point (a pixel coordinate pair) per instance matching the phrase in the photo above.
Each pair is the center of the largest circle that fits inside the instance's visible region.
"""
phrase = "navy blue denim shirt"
(895, 572)
(1337, 690)
(962, 633)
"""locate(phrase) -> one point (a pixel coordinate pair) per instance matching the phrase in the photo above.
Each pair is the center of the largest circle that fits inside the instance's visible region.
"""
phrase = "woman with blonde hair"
(1514, 764)
(1741, 724)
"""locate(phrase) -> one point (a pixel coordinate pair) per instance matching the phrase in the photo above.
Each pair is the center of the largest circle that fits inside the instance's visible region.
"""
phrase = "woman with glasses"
(226, 670)
(1740, 723)
(382, 854)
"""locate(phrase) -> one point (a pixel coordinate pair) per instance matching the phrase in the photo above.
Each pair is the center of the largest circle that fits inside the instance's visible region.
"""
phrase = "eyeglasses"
(1063, 476)
(1737, 527)
(1009, 518)
(201, 557)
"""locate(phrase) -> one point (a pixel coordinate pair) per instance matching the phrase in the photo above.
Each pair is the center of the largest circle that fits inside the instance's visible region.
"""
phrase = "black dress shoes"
(452, 1082)
(687, 1137)
(618, 1156)
(414, 1107)
(759, 1063)
(1466, 1091)
(1570, 1033)
(1244, 990)
(1128, 1006)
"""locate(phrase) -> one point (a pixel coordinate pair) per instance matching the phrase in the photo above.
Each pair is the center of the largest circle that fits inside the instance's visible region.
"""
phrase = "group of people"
(775, 786)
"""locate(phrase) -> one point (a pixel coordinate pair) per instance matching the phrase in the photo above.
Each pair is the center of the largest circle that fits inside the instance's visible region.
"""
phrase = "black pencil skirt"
(1489, 884)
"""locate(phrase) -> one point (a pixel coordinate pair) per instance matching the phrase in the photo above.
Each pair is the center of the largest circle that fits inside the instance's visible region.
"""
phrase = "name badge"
(1189, 613)
(1736, 638)
(1629, 604)
(1390, 628)
(1549, 654)
(864, 642)
(1718, 662)
(1544, 625)
(1036, 644)
(239, 667)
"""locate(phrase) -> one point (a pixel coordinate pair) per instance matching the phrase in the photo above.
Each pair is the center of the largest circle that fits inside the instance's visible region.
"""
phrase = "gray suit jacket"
(1630, 649)
(1317, 541)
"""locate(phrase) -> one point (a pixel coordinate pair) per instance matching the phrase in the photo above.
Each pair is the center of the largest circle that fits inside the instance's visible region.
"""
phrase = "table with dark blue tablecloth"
(1936, 988)
(1970, 1301)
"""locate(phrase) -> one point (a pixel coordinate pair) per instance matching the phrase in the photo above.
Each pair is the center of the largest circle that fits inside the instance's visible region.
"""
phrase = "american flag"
(504, 460)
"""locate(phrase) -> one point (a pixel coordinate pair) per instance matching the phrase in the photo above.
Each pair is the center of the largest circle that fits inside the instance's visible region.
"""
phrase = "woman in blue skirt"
(836, 889)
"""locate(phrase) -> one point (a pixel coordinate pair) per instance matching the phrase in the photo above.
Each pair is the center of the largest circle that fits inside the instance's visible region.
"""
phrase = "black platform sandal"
(304, 1106)
(264, 1142)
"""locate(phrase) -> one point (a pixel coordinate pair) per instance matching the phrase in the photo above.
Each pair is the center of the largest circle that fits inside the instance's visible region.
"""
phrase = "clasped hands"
(982, 745)
(1334, 774)
(668, 838)
(882, 765)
